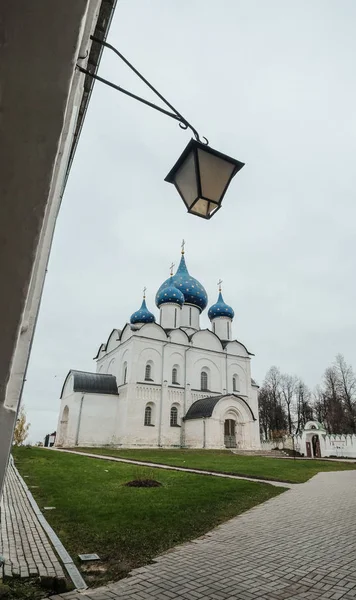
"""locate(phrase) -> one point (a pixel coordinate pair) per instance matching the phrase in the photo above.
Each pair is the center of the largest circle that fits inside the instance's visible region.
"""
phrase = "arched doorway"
(64, 427)
(316, 446)
(230, 433)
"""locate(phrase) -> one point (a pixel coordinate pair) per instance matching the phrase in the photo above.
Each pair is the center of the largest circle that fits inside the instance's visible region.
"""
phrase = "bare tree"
(288, 387)
(270, 405)
(304, 407)
(347, 389)
(264, 405)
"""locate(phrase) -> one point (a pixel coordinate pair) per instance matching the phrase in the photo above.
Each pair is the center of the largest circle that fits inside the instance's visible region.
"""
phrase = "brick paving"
(23, 542)
(298, 546)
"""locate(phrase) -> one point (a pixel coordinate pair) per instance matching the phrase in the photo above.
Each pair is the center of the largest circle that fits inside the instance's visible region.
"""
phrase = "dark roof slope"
(92, 383)
(204, 407)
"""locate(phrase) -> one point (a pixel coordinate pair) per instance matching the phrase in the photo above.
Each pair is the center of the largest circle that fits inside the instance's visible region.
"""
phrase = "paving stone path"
(298, 546)
(23, 542)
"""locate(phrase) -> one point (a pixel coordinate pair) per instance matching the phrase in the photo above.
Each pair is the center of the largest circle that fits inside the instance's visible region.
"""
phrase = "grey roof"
(204, 407)
(92, 383)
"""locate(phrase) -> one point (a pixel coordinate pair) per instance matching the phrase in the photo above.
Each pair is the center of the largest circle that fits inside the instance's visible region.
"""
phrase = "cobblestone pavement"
(298, 546)
(23, 542)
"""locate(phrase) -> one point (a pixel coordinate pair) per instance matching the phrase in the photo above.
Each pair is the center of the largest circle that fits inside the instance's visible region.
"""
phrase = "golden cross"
(219, 284)
(182, 246)
(171, 267)
(144, 292)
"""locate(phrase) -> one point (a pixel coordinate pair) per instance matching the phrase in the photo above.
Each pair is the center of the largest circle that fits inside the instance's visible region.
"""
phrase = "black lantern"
(202, 176)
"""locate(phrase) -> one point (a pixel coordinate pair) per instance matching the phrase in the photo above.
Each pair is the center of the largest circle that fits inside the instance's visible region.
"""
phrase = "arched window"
(228, 329)
(148, 372)
(174, 416)
(175, 318)
(190, 315)
(204, 381)
(124, 373)
(175, 372)
(148, 415)
(235, 383)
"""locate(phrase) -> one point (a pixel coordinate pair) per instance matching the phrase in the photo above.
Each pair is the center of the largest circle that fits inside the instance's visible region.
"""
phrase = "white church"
(166, 384)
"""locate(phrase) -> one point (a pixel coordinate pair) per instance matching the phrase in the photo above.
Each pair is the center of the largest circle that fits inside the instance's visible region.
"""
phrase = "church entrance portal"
(230, 433)
(316, 446)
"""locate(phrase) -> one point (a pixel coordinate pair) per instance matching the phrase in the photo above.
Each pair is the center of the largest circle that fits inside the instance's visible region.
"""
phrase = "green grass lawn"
(288, 470)
(128, 526)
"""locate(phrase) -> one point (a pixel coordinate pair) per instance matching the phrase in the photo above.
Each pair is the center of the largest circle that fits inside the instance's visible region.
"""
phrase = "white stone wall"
(330, 445)
(92, 420)
(222, 327)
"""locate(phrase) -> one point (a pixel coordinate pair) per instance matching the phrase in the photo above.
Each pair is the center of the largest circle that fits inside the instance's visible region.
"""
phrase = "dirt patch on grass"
(145, 483)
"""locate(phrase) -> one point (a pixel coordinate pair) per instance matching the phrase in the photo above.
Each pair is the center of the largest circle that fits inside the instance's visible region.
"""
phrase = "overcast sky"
(272, 83)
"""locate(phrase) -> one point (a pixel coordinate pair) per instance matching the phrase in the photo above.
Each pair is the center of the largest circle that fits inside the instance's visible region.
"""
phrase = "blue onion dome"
(192, 290)
(220, 309)
(143, 315)
(169, 294)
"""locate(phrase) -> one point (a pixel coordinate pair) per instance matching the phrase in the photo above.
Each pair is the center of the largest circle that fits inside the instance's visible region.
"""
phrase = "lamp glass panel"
(201, 207)
(186, 180)
(215, 174)
(212, 208)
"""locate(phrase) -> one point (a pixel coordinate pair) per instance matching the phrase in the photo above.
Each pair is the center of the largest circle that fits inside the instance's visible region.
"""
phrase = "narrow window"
(174, 375)
(190, 315)
(204, 381)
(125, 373)
(228, 330)
(214, 327)
(234, 387)
(148, 372)
(174, 416)
(175, 317)
(148, 415)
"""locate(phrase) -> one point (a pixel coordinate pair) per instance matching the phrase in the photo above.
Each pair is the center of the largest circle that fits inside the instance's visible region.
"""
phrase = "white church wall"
(67, 429)
(170, 316)
(113, 340)
(178, 336)
(174, 358)
(126, 333)
(234, 347)
(214, 367)
(190, 316)
(136, 433)
(222, 327)
(194, 433)
(98, 420)
(153, 331)
(253, 400)
(206, 339)
(112, 367)
(148, 356)
(170, 435)
(237, 369)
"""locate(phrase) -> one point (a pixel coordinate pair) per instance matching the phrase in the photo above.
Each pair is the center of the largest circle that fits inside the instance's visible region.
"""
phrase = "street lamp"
(201, 174)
